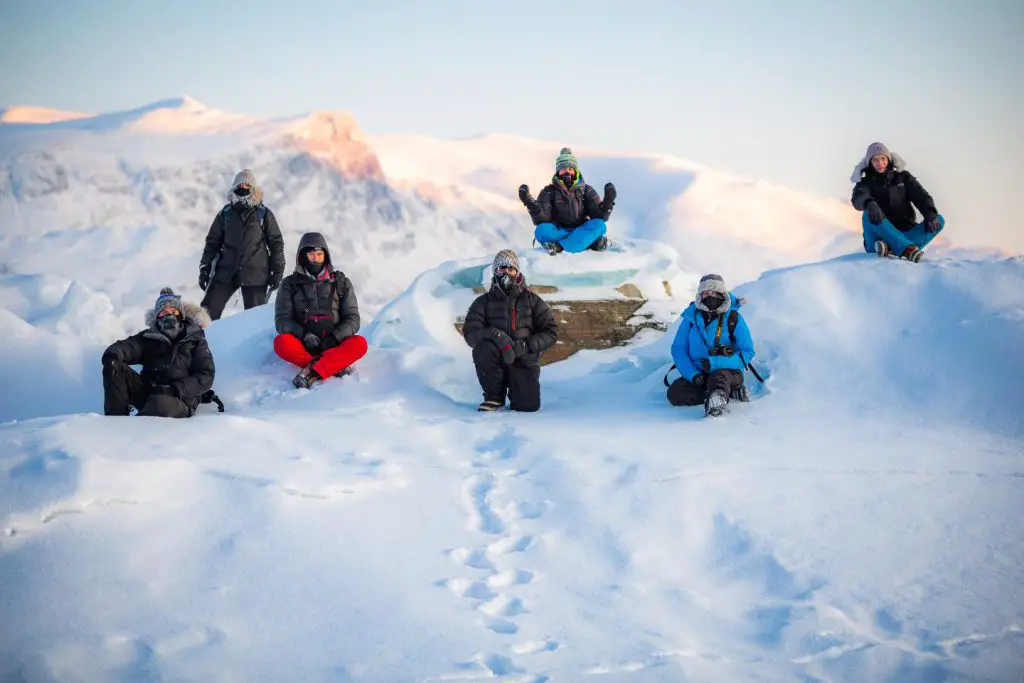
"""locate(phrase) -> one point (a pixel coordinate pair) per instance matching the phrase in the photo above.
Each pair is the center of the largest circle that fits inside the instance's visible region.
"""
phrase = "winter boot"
(489, 406)
(306, 378)
(345, 371)
(912, 254)
(740, 393)
(881, 248)
(714, 404)
(600, 244)
(553, 248)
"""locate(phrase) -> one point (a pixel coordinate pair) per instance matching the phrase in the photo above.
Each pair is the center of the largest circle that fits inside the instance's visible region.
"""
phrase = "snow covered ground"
(858, 521)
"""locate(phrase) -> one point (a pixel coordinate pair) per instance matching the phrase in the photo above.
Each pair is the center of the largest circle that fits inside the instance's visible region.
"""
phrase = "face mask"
(505, 281)
(713, 302)
(243, 191)
(170, 325)
(567, 179)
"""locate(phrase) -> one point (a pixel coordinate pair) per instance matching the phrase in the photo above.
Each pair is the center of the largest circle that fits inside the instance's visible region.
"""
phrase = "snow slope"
(858, 521)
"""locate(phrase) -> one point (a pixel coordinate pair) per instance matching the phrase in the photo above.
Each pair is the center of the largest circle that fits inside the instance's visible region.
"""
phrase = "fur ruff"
(894, 159)
(191, 313)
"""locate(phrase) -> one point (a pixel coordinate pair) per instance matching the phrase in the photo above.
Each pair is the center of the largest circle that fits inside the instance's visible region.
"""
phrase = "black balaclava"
(313, 269)
(170, 325)
(243, 191)
(713, 301)
(506, 281)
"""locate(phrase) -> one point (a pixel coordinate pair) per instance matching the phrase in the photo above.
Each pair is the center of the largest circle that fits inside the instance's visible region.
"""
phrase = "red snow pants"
(332, 361)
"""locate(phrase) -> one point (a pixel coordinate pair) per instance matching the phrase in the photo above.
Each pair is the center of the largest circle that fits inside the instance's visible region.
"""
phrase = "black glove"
(874, 212)
(520, 347)
(932, 225)
(164, 390)
(524, 194)
(705, 364)
(504, 344)
(311, 342)
(609, 193)
(204, 277)
(699, 380)
(275, 281)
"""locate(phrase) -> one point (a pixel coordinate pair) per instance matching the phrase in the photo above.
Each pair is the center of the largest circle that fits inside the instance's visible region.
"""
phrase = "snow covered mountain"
(142, 186)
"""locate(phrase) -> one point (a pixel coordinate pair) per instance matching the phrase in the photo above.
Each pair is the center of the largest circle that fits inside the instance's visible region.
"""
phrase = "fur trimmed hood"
(245, 177)
(895, 161)
(192, 313)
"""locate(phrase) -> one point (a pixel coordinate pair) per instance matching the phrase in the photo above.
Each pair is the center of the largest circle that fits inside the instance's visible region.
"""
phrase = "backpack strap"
(734, 318)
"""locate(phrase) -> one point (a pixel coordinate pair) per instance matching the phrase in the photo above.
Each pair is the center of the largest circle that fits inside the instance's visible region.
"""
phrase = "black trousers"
(123, 388)
(683, 393)
(520, 382)
(219, 293)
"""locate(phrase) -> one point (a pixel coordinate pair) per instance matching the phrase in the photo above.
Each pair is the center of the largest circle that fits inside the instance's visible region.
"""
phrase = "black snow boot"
(740, 393)
(600, 244)
(306, 378)
(714, 404)
(490, 406)
(553, 248)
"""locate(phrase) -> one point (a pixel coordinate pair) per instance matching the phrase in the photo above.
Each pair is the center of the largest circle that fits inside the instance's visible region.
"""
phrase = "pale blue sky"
(789, 90)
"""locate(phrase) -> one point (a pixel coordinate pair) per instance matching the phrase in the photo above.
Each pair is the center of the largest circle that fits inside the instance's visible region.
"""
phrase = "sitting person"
(508, 328)
(177, 365)
(711, 368)
(317, 316)
(887, 193)
(568, 213)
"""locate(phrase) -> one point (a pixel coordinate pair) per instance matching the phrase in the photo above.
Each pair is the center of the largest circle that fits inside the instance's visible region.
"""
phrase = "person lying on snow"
(244, 248)
(508, 328)
(886, 192)
(317, 316)
(711, 349)
(568, 213)
(177, 365)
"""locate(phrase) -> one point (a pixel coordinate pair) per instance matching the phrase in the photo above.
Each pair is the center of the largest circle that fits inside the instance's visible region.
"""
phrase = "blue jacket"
(694, 339)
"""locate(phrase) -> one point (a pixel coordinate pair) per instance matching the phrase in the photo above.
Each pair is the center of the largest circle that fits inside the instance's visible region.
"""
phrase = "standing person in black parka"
(244, 249)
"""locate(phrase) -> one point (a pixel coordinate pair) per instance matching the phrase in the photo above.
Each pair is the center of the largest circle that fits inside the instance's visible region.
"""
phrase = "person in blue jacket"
(711, 350)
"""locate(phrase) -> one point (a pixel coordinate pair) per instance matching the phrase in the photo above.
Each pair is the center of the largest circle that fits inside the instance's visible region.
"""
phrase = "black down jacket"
(323, 304)
(242, 248)
(521, 314)
(894, 190)
(185, 364)
(568, 208)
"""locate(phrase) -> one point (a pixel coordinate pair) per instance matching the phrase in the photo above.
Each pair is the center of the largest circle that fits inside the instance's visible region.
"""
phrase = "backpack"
(731, 322)
(261, 211)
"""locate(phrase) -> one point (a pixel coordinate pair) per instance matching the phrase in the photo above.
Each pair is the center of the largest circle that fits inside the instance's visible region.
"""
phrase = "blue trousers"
(573, 241)
(897, 241)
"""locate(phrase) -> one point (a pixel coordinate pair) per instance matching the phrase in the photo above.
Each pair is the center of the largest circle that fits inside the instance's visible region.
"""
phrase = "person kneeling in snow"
(177, 365)
(508, 328)
(568, 213)
(885, 192)
(317, 316)
(711, 366)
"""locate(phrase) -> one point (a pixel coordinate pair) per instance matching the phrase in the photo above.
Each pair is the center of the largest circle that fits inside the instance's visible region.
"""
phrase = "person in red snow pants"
(317, 316)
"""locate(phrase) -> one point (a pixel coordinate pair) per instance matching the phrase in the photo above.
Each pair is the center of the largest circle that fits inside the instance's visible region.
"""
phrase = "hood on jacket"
(254, 198)
(733, 302)
(191, 313)
(895, 161)
(309, 240)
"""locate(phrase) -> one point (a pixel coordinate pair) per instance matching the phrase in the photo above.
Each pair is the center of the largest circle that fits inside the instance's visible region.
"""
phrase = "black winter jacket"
(568, 209)
(521, 314)
(325, 305)
(185, 363)
(241, 247)
(895, 191)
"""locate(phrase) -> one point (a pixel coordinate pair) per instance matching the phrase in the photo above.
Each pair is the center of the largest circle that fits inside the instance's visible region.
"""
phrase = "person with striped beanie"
(568, 214)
